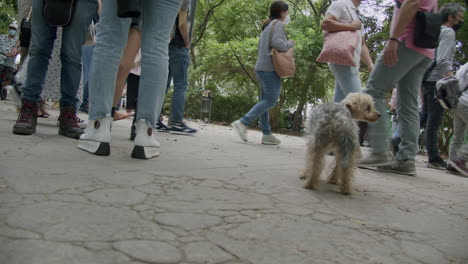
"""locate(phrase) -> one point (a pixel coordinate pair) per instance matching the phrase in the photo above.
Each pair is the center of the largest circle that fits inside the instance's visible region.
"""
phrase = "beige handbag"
(283, 62)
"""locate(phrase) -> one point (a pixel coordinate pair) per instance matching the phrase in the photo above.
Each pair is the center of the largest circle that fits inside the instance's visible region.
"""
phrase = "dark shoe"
(437, 163)
(450, 169)
(459, 165)
(394, 143)
(68, 123)
(161, 127)
(133, 133)
(182, 128)
(406, 167)
(27, 118)
(84, 108)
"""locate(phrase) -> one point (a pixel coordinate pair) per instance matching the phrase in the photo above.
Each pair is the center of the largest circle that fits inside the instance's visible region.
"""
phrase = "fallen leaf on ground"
(358, 222)
(3, 186)
(404, 209)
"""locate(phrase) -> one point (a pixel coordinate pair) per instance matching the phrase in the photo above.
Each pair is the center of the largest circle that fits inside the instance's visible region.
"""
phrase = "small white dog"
(332, 128)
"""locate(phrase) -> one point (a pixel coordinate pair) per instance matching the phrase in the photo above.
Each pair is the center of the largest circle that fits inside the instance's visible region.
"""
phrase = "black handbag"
(427, 31)
(128, 8)
(25, 31)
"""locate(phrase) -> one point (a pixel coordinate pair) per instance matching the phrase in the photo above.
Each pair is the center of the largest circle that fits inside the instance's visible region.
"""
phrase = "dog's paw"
(346, 191)
(302, 175)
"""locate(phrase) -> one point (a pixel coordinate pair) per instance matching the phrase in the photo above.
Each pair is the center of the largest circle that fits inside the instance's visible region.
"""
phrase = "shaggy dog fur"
(332, 128)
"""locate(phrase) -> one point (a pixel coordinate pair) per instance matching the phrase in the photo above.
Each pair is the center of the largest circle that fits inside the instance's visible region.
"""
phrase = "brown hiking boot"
(27, 118)
(68, 123)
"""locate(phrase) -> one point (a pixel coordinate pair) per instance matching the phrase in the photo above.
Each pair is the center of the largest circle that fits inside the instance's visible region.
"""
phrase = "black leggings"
(133, 82)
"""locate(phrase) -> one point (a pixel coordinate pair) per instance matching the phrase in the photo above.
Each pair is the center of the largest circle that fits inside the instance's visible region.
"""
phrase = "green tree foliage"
(8, 11)
(225, 43)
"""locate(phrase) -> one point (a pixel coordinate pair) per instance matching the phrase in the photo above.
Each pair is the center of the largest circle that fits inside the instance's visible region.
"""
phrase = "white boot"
(146, 144)
(97, 136)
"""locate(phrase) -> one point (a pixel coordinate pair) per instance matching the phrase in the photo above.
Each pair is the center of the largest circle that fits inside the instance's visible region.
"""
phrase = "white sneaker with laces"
(241, 129)
(97, 136)
(146, 144)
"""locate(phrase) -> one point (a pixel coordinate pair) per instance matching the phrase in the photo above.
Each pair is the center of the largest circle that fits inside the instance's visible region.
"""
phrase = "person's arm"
(184, 27)
(16, 49)
(99, 7)
(407, 12)
(365, 56)
(445, 52)
(278, 39)
(331, 24)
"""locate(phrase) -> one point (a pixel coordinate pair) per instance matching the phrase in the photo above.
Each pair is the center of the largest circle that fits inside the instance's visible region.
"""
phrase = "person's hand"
(187, 46)
(356, 24)
(292, 42)
(15, 51)
(391, 53)
(370, 68)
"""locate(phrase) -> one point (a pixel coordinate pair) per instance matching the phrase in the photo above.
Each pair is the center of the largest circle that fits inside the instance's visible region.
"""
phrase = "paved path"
(212, 199)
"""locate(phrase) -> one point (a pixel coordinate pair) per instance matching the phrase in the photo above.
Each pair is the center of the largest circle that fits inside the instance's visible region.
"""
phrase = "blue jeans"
(431, 118)
(112, 34)
(42, 42)
(347, 80)
(86, 60)
(179, 61)
(270, 88)
(407, 75)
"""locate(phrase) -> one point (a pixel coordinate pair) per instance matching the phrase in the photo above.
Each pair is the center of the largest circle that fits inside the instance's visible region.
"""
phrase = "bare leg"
(125, 65)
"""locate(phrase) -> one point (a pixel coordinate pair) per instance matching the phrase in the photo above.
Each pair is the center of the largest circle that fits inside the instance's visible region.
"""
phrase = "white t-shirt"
(345, 11)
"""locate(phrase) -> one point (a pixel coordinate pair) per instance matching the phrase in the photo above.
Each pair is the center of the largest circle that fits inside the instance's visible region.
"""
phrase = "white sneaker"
(241, 129)
(270, 140)
(97, 136)
(146, 144)
(377, 159)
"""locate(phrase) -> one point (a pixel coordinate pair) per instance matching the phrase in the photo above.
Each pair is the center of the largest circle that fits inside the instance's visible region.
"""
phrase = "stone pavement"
(212, 199)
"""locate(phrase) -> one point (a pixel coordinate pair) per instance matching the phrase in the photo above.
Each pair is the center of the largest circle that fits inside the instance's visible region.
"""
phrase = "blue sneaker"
(182, 129)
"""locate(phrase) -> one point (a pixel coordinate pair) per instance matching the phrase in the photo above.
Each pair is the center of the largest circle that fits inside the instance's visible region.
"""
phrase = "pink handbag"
(339, 47)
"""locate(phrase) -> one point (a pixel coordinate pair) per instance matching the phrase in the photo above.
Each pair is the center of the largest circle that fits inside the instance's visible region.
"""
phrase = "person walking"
(433, 112)
(112, 34)
(343, 15)
(458, 153)
(272, 36)
(43, 37)
(403, 64)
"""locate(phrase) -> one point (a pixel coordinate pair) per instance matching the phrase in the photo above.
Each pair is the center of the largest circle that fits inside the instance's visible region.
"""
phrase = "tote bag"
(283, 62)
(339, 47)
